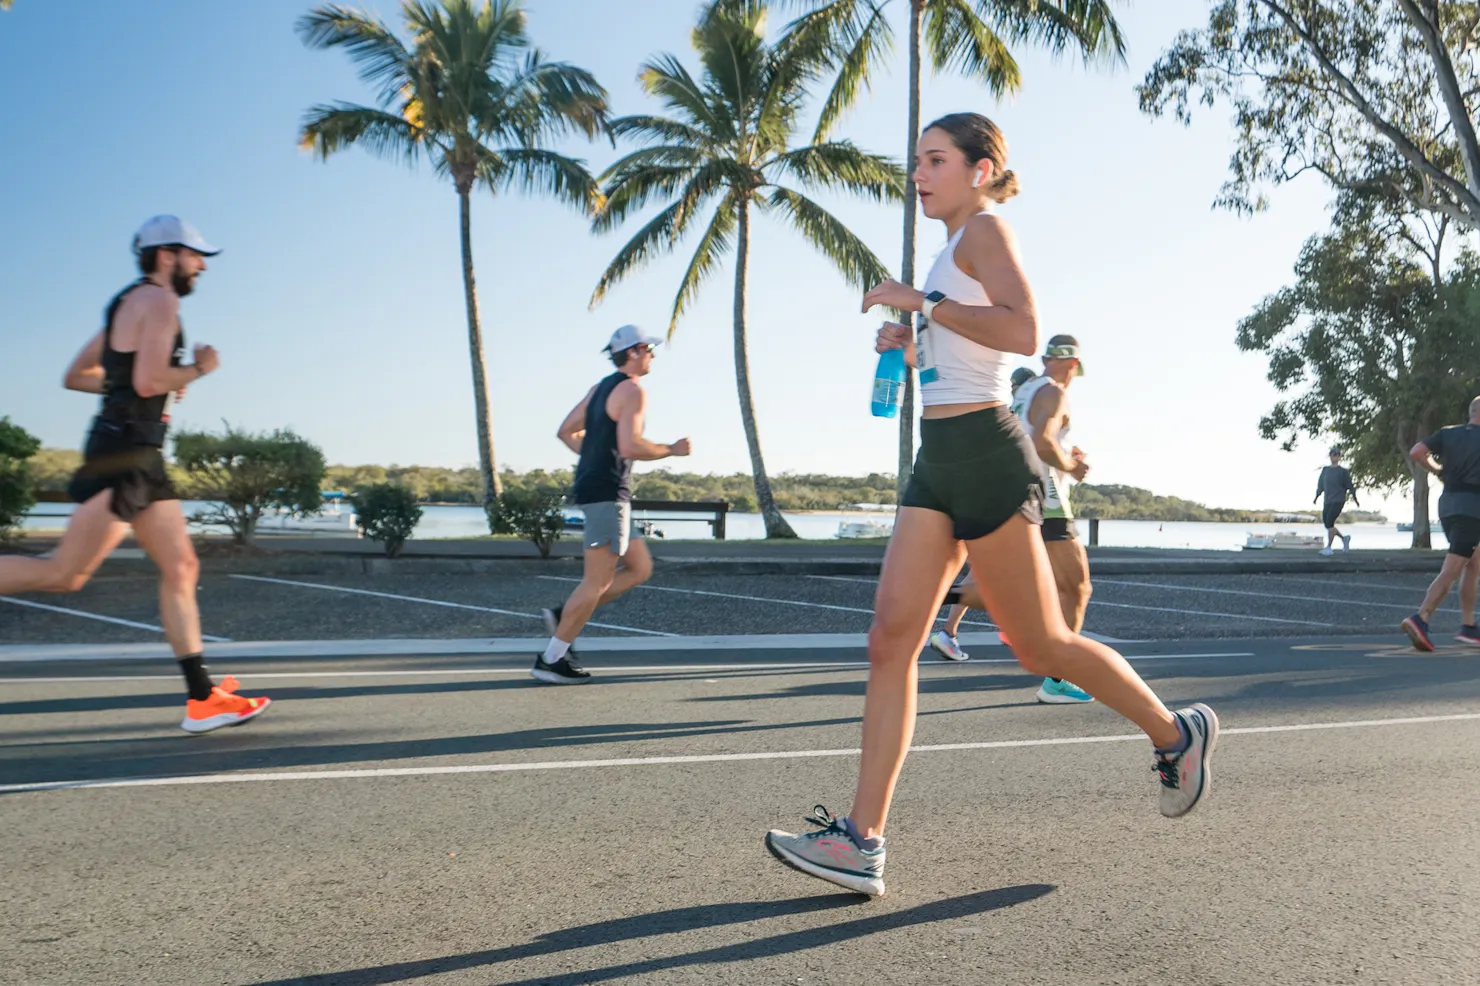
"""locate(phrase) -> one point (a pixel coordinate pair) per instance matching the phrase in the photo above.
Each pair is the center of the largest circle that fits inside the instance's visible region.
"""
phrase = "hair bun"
(1004, 186)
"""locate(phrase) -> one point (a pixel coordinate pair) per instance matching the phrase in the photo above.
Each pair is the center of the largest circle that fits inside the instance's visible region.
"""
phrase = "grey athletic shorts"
(611, 524)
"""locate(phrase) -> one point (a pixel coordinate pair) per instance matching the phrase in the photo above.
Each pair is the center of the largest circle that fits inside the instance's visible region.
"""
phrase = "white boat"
(1406, 527)
(1284, 540)
(864, 529)
(335, 517)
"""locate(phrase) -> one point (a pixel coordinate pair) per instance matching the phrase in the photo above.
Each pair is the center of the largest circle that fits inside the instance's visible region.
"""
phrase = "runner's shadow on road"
(184, 755)
(682, 920)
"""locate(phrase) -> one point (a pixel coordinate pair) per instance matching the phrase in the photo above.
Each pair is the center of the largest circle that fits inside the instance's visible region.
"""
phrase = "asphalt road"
(1132, 607)
(446, 821)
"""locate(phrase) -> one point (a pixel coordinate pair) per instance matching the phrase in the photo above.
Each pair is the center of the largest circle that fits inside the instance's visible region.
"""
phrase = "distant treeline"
(794, 491)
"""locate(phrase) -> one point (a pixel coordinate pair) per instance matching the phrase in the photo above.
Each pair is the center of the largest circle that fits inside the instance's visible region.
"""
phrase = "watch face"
(936, 297)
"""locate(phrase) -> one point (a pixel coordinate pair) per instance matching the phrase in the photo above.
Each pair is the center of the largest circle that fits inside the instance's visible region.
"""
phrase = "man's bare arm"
(158, 327)
(85, 374)
(572, 430)
(1046, 420)
(630, 441)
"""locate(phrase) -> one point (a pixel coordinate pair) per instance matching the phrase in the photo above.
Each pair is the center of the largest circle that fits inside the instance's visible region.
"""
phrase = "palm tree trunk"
(1421, 536)
(776, 525)
(907, 262)
(487, 464)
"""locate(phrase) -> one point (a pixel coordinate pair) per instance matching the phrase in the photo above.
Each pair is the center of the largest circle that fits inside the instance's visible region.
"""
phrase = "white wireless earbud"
(977, 181)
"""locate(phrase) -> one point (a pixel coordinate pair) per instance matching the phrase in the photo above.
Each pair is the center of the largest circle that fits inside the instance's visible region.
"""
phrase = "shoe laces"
(1167, 765)
(228, 685)
(827, 824)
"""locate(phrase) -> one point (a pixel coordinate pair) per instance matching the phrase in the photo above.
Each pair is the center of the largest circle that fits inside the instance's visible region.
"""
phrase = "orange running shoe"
(223, 708)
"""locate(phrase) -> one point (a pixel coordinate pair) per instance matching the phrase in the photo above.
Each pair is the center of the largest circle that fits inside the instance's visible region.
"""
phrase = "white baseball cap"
(171, 231)
(628, 336)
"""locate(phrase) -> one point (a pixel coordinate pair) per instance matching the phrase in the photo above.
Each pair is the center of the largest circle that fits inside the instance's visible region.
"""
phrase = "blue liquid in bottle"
(889, 383)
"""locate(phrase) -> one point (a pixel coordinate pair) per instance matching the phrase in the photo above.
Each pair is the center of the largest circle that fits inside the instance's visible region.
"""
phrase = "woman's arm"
(988, 254)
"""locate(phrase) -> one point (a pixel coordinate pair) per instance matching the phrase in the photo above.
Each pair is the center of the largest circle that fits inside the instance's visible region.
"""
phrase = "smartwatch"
(927, 307)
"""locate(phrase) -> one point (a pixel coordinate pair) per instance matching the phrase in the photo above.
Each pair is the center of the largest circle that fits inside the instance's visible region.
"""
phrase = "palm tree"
(972, 37)
(727, 144)
(471, 93)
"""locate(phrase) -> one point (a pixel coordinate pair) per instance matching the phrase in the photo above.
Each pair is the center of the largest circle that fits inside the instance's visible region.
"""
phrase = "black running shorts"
(1331, 511)
(135, 473)
(1463, 534)
(1058, 529)
(979, 469)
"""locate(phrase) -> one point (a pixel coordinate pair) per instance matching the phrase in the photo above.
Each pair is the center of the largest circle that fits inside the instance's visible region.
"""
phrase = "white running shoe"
(948, 646)
(1187, 776)
(1327, 552)
(1346, 542)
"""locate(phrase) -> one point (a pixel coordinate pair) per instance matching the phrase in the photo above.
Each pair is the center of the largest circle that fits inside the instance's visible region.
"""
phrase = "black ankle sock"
(197, 679)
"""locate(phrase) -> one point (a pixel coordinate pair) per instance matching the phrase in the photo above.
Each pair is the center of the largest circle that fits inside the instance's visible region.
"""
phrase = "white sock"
(555, 650)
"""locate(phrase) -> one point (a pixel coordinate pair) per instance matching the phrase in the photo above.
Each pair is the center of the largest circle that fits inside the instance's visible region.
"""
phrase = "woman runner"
(976, 482)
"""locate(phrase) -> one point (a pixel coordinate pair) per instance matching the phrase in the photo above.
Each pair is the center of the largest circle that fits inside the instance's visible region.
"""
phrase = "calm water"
(453, 522)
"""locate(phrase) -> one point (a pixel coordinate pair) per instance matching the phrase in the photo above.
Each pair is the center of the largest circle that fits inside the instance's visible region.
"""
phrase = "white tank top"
(1056, 484)
(953, 369)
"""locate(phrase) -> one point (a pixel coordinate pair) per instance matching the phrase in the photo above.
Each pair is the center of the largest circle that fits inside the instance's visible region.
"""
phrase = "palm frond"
(666, 78)
(641, 126)
(330, 128)
(668, 227)
(957, 39)
(731, 44)
(849, 37)
(844, 166)
(850, 255)
(383, 60)
(545, 99)
(1057, 25)
(534, 169)
(712, 246)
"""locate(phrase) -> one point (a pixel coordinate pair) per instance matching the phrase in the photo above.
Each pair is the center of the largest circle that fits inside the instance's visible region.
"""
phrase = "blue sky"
(337, 304)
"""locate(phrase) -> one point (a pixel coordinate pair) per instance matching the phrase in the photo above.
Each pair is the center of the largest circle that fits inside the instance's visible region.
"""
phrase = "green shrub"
(535, 513)
(386, 513)
(242, 475)
(17, 491)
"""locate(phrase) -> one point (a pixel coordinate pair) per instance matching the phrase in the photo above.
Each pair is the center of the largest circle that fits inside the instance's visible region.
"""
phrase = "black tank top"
(602, 475)
(121, 402)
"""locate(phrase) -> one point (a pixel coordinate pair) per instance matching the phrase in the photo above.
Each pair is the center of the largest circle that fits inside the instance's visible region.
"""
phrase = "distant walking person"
(1335, 483)
(1457, 449)
(605, 430)
(136, 364)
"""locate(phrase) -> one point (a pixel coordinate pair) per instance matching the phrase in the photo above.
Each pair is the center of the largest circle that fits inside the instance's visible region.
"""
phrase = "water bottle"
(889, 383)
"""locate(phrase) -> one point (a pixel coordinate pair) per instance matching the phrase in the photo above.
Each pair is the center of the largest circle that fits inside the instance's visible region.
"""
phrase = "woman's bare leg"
(1016, 582)
(919, 566)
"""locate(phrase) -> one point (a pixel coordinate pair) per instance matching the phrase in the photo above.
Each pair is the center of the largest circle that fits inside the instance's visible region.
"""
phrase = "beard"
(182, 283)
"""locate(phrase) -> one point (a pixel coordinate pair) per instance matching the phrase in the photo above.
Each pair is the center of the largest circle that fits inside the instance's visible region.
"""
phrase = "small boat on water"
(1406, 527)
(336, 517)
(864, 529)
(1285, 541)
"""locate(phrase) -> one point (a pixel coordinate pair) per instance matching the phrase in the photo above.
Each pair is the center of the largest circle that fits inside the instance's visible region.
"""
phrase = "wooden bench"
(717, 509)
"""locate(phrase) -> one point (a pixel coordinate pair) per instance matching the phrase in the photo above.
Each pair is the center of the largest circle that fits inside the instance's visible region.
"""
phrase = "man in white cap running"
(605, 430)
(136, 364)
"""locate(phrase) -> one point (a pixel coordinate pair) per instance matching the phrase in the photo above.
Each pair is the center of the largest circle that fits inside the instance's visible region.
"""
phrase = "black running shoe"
(566, 671)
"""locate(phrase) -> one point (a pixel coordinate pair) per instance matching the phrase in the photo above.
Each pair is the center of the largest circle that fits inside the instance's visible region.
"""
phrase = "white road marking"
(502, 768)
(607, 669)
(756, 599)
(443, 647)
(1261, 595)
(1092, 636)
(437, 602)
(1204, 612)
(100, 618)
(1414, 590)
